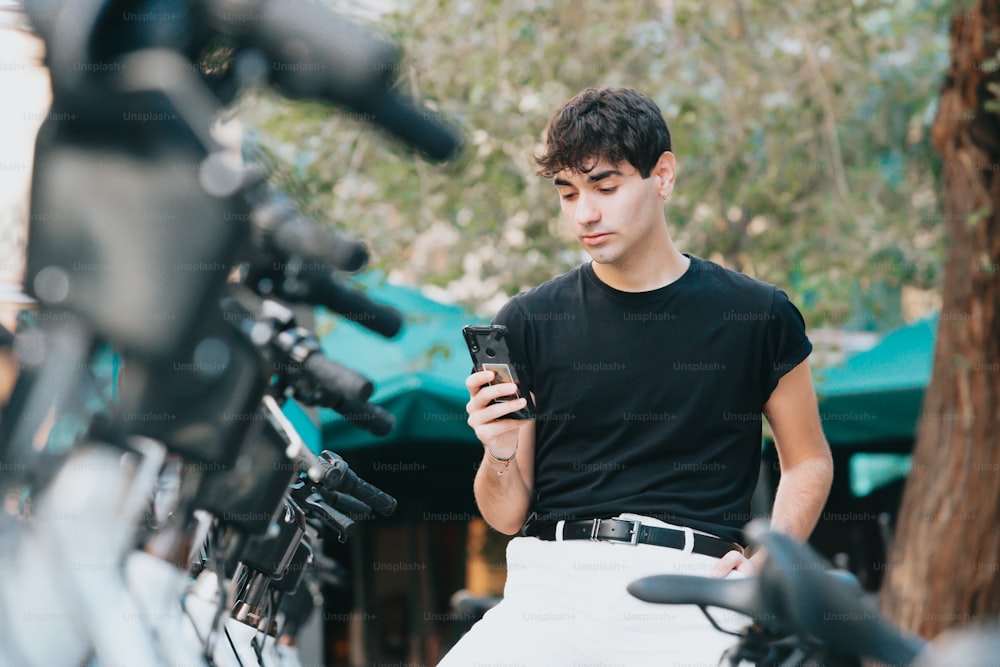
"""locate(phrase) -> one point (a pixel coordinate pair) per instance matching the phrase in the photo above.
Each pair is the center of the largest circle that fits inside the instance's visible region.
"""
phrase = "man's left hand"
(734, 560)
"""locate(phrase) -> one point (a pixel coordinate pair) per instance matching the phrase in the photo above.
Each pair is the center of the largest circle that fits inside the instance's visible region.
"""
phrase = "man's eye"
(569, 196)
(607, 191)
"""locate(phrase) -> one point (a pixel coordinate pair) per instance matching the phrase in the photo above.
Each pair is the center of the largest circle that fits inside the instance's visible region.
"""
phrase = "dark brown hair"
(617, 124)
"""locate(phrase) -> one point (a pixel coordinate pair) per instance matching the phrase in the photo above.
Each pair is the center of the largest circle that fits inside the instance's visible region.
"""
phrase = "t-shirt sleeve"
(786, 344)
(518, 337)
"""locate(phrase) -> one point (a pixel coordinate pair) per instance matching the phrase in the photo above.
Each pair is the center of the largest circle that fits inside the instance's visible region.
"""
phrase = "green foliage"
(800, 130)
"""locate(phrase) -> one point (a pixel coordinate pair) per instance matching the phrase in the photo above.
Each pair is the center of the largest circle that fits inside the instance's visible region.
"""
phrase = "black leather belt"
(635, 532)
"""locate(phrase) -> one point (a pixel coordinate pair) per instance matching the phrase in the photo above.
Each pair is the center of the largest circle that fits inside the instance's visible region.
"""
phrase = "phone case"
(488, 350)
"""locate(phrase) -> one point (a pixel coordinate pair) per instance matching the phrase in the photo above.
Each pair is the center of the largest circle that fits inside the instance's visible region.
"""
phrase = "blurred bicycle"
(182, 522)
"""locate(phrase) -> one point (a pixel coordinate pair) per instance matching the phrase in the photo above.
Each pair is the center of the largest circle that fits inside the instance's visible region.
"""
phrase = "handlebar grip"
(303, 237)
(339, 477)
(353, 304)
(372, 418)
(317, 54)
(336, 379)
(314, 52)
(417, 125)
(293, 234)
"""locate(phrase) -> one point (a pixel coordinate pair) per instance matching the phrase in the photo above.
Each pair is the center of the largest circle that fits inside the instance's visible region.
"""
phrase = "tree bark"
(943, 569)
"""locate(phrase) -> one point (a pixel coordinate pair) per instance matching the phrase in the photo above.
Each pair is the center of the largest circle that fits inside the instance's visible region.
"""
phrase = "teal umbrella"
(876, 395)
(419, 375)
(870, 405)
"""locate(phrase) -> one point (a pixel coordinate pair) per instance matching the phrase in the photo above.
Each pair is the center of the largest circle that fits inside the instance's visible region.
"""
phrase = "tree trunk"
(943, 569)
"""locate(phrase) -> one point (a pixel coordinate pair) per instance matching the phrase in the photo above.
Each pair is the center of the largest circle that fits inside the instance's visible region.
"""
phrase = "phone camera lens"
(490, 353)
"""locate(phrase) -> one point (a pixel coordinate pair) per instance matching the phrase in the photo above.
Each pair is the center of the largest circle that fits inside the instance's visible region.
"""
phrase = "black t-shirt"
(651, 402)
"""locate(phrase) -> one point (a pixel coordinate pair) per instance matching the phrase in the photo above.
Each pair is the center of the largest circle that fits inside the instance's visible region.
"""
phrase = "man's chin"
(600, 255)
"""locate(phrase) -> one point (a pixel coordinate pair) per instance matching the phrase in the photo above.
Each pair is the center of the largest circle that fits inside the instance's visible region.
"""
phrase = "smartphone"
(489, 353)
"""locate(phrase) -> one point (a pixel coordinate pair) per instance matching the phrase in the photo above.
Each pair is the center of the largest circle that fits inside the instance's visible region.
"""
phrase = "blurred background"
(802, 133)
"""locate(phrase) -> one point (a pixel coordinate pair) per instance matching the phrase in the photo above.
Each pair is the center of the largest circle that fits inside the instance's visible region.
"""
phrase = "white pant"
(565, 605)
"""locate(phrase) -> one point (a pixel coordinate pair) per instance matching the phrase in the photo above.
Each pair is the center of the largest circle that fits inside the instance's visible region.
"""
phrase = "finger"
(488, 394)
(747, 567)
(727, 563)
(493, 426)
(476, 381)
(491, 413)
(482, 399)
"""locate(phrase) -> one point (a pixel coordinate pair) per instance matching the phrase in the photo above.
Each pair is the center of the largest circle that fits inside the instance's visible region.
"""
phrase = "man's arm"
(503, 493)
(805, 459)
(803, 454)
(504, 499)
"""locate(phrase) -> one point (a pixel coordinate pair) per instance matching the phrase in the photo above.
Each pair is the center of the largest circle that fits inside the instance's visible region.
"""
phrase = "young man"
(650, 370)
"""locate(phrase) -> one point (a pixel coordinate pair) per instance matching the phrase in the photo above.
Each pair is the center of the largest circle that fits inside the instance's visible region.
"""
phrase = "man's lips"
(596, 239)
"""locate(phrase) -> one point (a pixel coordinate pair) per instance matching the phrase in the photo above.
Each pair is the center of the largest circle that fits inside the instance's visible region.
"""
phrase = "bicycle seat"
(740, 595)
(743, 596)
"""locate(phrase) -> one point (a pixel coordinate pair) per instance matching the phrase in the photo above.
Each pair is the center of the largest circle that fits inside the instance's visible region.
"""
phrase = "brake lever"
(314, 507)
(347, 504)
(343, 525)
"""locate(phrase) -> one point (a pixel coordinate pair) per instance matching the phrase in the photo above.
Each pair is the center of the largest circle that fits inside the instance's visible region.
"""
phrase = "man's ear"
(666, 170)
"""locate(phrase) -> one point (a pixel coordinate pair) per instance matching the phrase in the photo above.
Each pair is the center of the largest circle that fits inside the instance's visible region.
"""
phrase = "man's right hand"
(499, 434)
(503, 497)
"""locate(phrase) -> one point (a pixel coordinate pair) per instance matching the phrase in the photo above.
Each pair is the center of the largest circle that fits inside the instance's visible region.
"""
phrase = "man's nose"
(586, 211)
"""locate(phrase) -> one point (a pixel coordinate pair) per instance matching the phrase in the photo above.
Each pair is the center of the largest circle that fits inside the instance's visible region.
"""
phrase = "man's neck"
(655, 272)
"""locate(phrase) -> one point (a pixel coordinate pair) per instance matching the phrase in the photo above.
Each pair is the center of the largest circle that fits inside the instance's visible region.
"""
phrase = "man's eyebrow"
(600, 176)
(593, 178)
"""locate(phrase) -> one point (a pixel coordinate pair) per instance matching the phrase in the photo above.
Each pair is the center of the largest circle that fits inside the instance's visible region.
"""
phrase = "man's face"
(612, 209)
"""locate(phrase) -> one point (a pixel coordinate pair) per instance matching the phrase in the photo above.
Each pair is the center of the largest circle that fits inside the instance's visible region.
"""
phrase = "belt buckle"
(633, 534)
(636, 526)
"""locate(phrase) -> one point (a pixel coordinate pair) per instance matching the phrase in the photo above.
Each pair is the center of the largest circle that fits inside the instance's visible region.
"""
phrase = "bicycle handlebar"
(337, 379)
(292, 234)
(343, 502)
(332, 473)
(316, 54)
(827, 608)
(323, 289)
(368, 416)
(339, 477)
(106, 68)
(415, 124)
(794, 593)
(314, 505)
